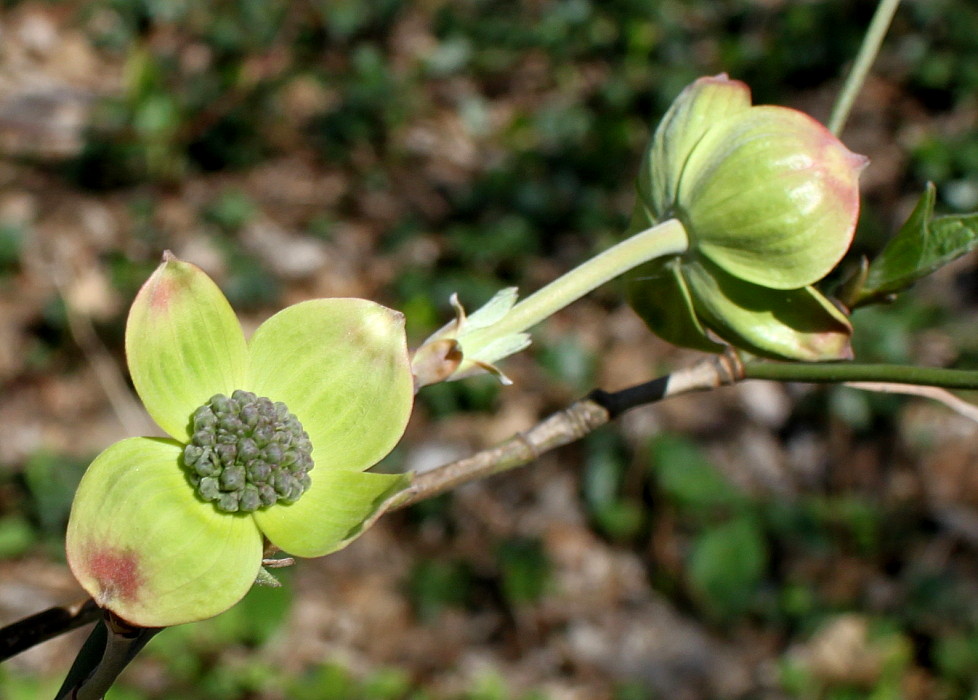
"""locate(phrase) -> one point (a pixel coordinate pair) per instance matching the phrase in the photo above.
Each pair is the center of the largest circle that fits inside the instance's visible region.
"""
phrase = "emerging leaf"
(921, 246)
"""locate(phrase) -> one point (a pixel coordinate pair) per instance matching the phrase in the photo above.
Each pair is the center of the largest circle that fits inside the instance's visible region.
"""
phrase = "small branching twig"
(956, 404)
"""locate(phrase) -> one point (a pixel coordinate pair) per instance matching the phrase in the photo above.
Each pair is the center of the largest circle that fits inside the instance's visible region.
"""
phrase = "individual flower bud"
(247, 449)
(769, 199)
(250, 499)
(767, 193)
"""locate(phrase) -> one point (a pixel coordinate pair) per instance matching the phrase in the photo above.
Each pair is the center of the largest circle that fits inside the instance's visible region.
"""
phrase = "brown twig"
(569, 425)
(47, 624)
(934, 393)
(563, 427)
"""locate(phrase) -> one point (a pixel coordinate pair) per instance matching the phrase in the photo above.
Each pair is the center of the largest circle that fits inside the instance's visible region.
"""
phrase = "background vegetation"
(758, 542)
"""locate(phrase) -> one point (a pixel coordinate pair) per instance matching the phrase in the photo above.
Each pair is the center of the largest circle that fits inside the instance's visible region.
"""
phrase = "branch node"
(531, 448)
(729, 366)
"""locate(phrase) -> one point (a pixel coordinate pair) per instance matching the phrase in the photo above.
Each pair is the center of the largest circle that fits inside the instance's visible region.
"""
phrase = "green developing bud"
(769, 199)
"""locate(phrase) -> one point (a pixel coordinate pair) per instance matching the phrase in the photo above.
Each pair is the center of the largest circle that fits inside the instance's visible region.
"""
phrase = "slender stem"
(586, 415)
(860, 67)
(570, 424)
(667, 238)
(834, 372)
(93, 673)
(86, 661)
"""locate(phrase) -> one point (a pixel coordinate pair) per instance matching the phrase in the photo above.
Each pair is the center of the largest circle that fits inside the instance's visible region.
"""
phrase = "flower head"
(268, 438)
(769, 199)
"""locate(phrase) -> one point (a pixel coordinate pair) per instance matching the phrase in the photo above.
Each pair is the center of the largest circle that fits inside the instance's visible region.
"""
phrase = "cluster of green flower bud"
(246, 453)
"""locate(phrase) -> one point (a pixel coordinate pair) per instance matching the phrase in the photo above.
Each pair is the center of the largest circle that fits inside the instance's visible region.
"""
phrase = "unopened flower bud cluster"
(247, 452)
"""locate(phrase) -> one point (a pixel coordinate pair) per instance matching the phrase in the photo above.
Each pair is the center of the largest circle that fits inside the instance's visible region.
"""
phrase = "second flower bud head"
(765, 192)
(769, 199)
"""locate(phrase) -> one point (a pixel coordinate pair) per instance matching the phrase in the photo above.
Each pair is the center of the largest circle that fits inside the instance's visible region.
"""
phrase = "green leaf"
(334, 511)
(143, 546)
(727, 564)
(183, 344)
(921, 246)
(342, 368)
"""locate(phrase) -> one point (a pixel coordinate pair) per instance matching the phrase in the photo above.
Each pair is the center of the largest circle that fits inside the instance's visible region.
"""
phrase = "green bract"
(332, 374)
(769, 199)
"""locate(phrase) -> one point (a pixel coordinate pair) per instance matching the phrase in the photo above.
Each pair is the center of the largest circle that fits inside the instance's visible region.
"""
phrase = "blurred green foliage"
(524, 570)
(747, 557)
(607, 489)
(34, 504)
(333, 682)
(11, 240)
(436, 583)
(51, 481)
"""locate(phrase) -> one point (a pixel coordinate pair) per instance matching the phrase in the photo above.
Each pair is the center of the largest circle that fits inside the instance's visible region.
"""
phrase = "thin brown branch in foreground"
(47, 624)
(561, 428)
(569, 425)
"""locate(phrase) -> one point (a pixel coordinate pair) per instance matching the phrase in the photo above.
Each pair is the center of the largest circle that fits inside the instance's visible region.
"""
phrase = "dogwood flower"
(267, 438)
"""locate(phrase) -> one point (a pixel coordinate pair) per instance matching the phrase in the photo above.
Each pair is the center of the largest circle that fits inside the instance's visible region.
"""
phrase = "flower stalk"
(471, 345)
(661, 240)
